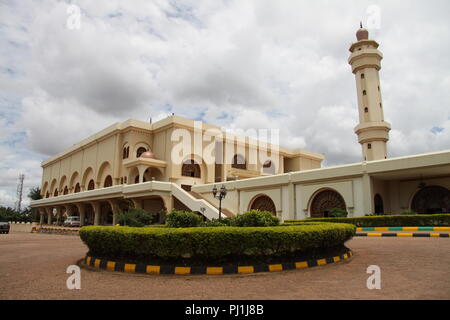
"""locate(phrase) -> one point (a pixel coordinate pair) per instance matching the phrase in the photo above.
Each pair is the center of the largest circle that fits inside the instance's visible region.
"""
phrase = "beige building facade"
(176, 162)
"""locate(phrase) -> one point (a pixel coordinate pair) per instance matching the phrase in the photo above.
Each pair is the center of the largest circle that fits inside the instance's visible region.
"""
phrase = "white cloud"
(238, 64)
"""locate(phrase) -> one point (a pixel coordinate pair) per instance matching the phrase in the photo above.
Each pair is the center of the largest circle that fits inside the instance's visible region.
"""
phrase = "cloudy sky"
(238, 64)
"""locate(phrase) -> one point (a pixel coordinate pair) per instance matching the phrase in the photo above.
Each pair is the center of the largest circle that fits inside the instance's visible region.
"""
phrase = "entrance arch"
(263, 203)
(379, 207)
(325, 201)
(431, 200)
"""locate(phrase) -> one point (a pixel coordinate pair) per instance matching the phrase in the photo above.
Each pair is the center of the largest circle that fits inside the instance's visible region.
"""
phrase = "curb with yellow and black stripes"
(403, 234)
(216, 270)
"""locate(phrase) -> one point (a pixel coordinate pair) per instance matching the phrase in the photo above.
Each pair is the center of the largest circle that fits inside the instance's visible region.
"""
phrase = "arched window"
(136, 179)
(269, 167)
(378, 201)
(55, 194)
(362, 76)
(128, 152)
(324, 202)
(108, 182)
(91, 185)
(239, 162)
(140, 151)
(66, 190)
(431, 200)
(47, 195)
(77, 188)
(190, 168)
(263, 203)
(124, 153)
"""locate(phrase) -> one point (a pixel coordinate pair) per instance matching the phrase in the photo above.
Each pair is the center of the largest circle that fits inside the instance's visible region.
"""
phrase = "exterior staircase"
(194, 203)
(226, 212)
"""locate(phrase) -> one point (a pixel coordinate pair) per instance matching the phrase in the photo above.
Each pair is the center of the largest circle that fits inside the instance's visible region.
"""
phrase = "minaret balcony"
(373, 131)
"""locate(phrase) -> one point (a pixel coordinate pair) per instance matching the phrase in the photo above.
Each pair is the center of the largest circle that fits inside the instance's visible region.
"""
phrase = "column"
(49, 215)
(115, 209)
(367, 194)
(58, 215)
(82, 211)
(41, 216)
(97, 212)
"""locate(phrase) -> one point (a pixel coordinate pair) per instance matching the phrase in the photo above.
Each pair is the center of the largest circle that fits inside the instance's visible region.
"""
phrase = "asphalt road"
(33, 266)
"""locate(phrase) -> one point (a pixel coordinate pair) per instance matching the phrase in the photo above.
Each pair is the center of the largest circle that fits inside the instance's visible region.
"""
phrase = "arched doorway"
(156, 206)
(324, 202)
(378, 202)
(263, 203)
(431, 200)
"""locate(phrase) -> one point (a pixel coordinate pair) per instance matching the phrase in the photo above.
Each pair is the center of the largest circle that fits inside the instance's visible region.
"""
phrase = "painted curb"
(404, 235)
(197, 270)
(403, 229)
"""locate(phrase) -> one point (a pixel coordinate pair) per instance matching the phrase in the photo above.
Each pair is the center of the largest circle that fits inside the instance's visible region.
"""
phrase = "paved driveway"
(32, 266)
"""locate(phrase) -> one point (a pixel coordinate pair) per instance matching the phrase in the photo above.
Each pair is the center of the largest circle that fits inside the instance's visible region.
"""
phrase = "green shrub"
(183, 219)
(408, 212)
(386, 221)
(211, 244)
(338, 213)
(256, 218)
(135, 218)
(215, 223)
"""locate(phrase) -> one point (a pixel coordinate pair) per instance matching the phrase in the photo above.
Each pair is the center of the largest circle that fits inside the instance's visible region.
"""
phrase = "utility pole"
(20, 193)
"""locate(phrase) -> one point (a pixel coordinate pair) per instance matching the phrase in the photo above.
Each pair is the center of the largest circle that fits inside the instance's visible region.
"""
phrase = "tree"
(35, 194)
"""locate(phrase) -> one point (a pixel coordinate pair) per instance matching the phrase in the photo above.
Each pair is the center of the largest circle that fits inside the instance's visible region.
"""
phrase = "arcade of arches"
(104, 212)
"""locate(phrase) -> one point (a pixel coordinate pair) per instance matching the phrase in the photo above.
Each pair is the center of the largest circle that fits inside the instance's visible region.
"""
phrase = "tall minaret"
(372, 131)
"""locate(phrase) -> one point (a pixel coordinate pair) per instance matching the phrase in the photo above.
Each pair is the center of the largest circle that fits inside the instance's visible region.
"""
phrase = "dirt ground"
(33, 266)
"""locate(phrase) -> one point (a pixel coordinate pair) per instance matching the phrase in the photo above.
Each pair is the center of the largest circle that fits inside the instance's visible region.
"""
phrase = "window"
(381, 105)
(66, 190)
(366, 110)
(362, 76)
(77, 188)
(239, 162)
(91, 185)
(369, 146)
(190, 169)
(269, 167)
(108, 182)
(55, 194)
(364, 92)
(125, 152)
(140, 151)
(47, 195)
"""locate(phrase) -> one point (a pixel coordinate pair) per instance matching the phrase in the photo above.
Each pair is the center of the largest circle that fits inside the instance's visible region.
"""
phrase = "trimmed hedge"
(211, 244)
(386, 221)
(183, 219)
(256, 218)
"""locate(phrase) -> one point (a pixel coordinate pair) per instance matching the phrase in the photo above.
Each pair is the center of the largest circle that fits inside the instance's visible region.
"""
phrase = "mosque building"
(176, 162)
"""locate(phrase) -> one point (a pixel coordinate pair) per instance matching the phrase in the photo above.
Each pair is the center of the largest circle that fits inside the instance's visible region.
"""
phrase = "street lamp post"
(219, 194)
